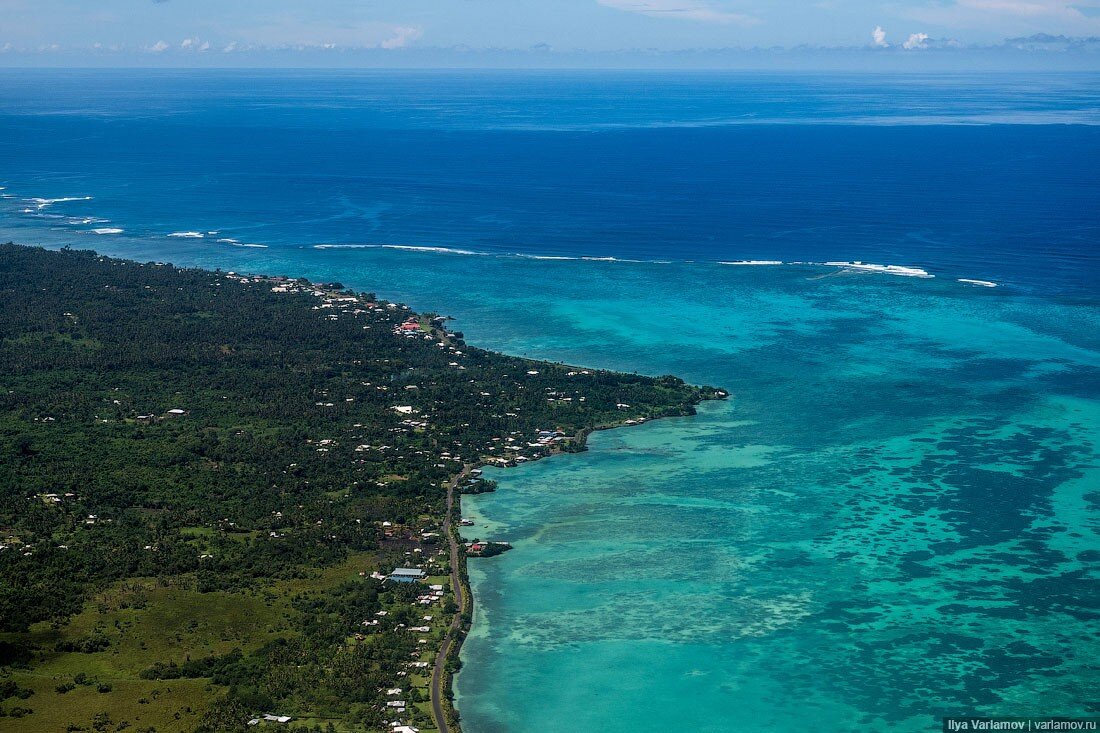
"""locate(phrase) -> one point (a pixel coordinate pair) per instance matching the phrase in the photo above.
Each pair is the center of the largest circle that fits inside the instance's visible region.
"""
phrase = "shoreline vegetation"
(210, 479)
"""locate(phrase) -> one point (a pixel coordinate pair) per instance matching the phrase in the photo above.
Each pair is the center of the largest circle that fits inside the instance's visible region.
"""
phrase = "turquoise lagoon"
(893, 518)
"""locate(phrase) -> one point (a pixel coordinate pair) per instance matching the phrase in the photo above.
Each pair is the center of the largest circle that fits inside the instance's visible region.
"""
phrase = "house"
(407, 575)
(272, 718)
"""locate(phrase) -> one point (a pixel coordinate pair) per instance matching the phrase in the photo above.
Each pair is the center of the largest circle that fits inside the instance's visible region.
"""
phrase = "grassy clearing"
(168, 707)
(146, 621)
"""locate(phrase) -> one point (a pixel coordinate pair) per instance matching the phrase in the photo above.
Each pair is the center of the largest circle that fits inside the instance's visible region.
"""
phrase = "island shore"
(376, 412)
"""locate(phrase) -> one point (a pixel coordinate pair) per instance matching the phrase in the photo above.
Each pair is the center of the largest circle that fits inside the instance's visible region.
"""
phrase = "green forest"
(201, 471)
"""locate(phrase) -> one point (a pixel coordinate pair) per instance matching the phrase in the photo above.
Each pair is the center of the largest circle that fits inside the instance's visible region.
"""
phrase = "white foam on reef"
(900, 270)
(441, 250)
(86, 220)
(43, 203)
(402, 247)
(237, 243)
(106, 230)
(982, 283)
(618, 259)
(187, 235)
(850, 266)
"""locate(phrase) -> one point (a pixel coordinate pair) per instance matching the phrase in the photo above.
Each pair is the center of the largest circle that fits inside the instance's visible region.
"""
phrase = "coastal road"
(438, 673)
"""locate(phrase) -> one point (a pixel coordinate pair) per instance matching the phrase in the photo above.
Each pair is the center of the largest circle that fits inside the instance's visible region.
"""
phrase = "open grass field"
(144, 622)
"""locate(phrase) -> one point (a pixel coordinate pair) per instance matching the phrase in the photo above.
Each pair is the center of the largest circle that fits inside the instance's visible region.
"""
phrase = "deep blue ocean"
(896, 516)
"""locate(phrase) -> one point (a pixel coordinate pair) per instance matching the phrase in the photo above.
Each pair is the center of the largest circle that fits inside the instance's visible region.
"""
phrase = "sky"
(208, 32)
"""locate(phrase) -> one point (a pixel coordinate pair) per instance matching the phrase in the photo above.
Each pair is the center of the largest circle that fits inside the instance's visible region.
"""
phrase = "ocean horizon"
(897, 277)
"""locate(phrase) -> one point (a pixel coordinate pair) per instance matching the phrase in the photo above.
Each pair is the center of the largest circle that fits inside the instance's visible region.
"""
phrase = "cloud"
(916, 41)
(194, 44)
(402, 36)
(157, 47)
(878, 37)
(681, 9)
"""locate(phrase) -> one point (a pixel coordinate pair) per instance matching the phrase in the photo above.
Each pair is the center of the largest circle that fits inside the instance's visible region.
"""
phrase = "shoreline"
(552, 437)
(448, 660)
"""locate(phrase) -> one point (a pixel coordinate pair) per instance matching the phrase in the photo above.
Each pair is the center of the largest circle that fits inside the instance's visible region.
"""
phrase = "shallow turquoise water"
(893, 520)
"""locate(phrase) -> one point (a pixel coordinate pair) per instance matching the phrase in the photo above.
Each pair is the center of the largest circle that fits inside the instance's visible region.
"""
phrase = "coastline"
(333, 302)
(447, 659)
(448, 664)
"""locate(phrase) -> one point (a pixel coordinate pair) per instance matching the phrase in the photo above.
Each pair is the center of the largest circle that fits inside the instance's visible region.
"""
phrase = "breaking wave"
(237, 243)
(41, 203)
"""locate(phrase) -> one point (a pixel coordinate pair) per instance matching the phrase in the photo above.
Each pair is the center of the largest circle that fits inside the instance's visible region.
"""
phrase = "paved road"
(438, 673)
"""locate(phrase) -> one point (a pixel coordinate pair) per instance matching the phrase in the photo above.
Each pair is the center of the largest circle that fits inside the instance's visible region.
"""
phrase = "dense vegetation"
(172, 434)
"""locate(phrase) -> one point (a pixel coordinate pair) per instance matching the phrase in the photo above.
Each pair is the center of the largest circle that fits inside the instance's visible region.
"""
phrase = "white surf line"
(900, 270)
(42, 203)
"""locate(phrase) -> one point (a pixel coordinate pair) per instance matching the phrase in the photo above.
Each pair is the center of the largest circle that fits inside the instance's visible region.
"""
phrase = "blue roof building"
(407, 575)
